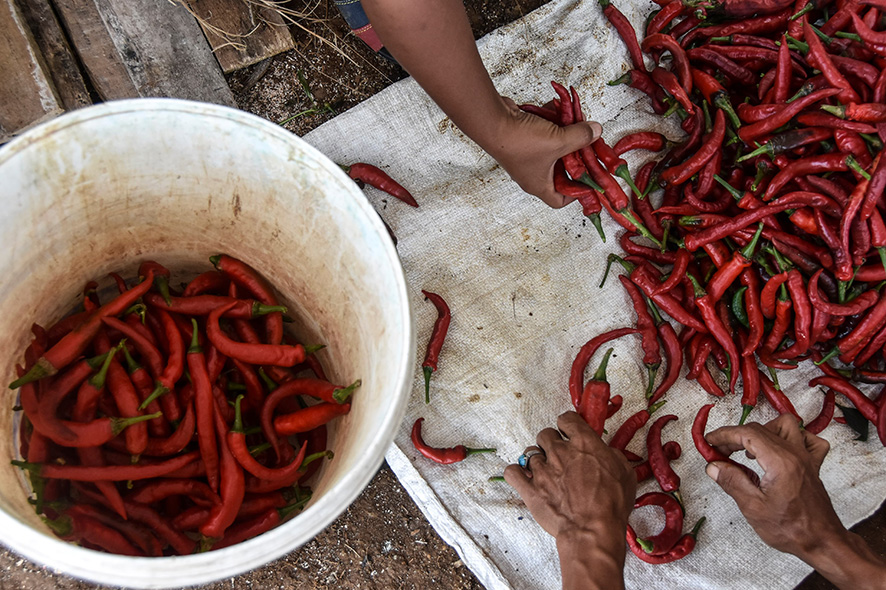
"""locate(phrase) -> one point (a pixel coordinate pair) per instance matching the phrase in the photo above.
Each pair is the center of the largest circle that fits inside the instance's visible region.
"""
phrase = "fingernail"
(712, 471)
(596, 129)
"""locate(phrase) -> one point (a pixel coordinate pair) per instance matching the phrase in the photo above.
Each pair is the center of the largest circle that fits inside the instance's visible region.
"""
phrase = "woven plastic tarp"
(522, 282)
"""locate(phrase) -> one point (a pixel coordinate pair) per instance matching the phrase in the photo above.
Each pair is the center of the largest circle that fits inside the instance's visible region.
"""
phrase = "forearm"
(591, 560)
(848, 562)
(432, 40)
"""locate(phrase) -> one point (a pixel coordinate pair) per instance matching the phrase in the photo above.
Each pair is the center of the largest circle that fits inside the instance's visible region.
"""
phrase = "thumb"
(580, 135)
(734, 482)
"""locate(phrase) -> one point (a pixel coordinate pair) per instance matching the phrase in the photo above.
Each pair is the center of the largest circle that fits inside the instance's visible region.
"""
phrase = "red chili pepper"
(231, 486)
(677, 175)
(667, 80)
(648, 332)
(824, 418)
(247, 277)
(626, 31)
(142, 536)
(309, 418)
(178, 440)
(718, 330)
(661, 468)
(237, 446)
(629, 427)
(641, 140)
(728, 67)
(108, 472)
(748, 133)
(211, 281)
(72, 344)
(379, 179)
(438, 335)
(595, 398)
(262, 523)
(662, 42)
(576, 375)
(672, 451)
(861, 402)
(76, 527)
(673, 359)
(280, 355)
(664, 541)
(443, 456)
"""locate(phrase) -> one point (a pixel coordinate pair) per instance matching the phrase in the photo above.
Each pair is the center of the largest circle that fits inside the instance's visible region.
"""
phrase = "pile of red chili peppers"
(165, 422)
(760, 232)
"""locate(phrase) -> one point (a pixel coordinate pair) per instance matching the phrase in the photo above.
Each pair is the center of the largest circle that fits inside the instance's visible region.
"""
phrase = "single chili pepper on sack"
(580, 364)
(72, 344)
(438, 335)
(595, 397)
(673, 359)
(626, 31)
(443, 456)
(682, 548)
(820, 422)
(673, 529)
(378, 178)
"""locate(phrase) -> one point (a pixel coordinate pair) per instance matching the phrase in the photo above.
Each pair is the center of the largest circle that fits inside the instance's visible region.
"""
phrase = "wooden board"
(132, 48)
(262, 32)
(27, 95)
(60, 61)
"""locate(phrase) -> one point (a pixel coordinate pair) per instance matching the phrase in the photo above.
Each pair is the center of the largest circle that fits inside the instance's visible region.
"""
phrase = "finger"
(817, 447)
(579, 135)
(735, 482)
(531, 453)
(547, 438)
(575, 428)
(758, 441)
(787, 426)
(519, 479)
(555, 200)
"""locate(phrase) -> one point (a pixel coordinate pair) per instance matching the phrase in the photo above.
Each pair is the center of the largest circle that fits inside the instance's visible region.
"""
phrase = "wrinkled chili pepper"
(664, 541)
(667, 478)
(595, 397)
(443, 456)
(435, 343)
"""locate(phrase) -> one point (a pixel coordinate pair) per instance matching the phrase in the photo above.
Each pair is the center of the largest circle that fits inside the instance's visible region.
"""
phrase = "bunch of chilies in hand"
(760, 233)
(165, 422)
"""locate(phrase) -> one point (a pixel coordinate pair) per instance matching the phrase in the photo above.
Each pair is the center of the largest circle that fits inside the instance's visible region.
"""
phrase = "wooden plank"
(259, 32)
(94, 46)
(133, 48)
(26, 94)
(60, 61)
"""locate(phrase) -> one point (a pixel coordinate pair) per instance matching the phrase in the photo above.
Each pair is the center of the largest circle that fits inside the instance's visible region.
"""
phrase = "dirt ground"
(382, 541)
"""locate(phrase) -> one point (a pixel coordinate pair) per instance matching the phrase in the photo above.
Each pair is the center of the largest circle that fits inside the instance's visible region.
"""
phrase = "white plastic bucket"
(104, 188)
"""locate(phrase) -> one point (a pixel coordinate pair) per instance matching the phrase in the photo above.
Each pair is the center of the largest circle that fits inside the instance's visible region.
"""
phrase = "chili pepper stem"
(650, 386)
(629, 215)
(746, 410)
(259, 309)
(881, 250)
(623, 173)
(835, 351)
(427, 371)
(496, 478)
(595, 220)
(647, 546)
(42, 368)
(471, 451)
(119, 424)
(312, 348)
(158, 391)
(342, 394)
(654, 407)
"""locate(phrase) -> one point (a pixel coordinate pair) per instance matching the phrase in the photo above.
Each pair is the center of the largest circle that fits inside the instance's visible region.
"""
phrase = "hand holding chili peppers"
(790, 494)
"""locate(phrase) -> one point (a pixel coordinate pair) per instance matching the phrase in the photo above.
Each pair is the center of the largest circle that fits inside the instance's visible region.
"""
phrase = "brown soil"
(382, 540)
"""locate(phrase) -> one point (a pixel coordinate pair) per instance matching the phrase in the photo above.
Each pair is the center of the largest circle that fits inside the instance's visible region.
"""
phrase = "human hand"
(527, 147)
(578, 483)
(790, 510)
